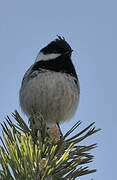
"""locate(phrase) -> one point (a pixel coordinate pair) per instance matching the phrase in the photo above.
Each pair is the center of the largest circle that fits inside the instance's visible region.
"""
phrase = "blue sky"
(91, 29)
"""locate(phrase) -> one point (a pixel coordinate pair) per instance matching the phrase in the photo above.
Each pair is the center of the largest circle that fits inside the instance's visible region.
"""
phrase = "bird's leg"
(59, 129)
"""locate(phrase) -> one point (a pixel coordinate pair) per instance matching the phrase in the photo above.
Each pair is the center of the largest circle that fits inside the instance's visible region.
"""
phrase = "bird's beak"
(69, 52)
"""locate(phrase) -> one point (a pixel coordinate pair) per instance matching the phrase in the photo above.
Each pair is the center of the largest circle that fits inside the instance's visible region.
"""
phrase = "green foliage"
(25, 156)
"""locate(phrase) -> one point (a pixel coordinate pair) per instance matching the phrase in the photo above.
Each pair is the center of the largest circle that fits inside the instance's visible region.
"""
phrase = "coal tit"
(50, 86)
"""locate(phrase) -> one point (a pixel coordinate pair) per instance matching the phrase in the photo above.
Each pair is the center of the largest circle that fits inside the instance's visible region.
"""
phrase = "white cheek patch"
(46, 57)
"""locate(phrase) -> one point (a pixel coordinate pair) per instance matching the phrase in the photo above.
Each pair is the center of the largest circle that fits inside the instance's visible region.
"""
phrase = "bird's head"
(56, 48)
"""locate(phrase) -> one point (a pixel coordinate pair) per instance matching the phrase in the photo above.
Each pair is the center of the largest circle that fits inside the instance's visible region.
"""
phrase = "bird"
(51, 85)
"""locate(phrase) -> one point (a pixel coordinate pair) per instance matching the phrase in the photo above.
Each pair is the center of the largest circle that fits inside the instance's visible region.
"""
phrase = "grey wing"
(30, 74)
(26, 75)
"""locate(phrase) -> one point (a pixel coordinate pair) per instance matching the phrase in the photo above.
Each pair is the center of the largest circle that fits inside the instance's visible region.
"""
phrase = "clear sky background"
(90, 27)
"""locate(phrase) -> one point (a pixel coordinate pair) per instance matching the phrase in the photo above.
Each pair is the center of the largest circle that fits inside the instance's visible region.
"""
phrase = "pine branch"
(25, 155)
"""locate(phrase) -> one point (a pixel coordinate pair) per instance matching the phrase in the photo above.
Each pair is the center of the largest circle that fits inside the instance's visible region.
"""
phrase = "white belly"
(53, 94)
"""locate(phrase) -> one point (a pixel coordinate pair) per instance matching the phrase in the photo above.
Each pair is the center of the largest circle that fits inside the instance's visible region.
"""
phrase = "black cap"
(59, 45)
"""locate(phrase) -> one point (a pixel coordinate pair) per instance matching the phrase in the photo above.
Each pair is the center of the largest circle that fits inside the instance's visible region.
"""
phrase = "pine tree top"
(27, 156)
